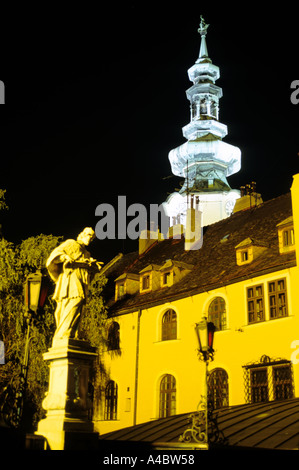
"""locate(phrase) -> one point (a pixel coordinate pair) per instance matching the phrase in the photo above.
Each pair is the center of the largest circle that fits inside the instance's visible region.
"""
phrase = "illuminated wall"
(254, 339)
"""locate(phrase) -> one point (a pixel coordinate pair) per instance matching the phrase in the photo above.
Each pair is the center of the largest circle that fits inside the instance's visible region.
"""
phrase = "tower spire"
(203, 30)
(204, 160)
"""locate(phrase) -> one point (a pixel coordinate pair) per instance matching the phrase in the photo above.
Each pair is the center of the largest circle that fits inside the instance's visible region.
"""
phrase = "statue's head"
(86, 236)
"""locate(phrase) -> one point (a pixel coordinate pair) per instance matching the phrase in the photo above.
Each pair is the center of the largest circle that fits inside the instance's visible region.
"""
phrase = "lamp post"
(35, 294)
(199, 431)
(36, 291)
(205, 336)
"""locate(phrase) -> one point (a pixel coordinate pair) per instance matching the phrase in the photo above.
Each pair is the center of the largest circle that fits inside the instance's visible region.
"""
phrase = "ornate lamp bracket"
(198, 430)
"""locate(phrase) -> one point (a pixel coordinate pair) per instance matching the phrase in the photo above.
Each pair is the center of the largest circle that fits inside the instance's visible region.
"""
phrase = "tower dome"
(204, 160)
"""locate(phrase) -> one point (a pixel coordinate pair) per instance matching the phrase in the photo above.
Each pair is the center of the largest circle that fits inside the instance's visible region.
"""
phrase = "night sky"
(95, 100)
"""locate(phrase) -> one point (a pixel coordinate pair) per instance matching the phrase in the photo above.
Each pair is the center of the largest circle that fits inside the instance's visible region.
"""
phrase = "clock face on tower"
(229, 206)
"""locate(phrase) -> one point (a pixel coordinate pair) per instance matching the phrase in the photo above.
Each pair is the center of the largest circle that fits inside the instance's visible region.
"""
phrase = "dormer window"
(126, 284)
(166, 278)
(173, 271)
(167, 273)
(248, 250)
(146, 282)
(150, 278)
(286, 236)
(244, 256)
(244, 252)
(121, 289)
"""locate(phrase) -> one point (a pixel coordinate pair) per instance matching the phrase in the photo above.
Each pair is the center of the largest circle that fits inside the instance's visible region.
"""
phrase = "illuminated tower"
(204, 160)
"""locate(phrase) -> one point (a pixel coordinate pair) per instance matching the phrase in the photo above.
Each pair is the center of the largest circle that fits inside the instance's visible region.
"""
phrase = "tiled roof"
(215, 263)
(272, 425)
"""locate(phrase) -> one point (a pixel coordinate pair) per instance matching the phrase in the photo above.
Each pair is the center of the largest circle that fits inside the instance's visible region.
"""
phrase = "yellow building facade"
(245, 280)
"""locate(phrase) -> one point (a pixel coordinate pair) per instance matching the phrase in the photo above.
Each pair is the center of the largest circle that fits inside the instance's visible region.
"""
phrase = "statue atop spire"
(203, 27)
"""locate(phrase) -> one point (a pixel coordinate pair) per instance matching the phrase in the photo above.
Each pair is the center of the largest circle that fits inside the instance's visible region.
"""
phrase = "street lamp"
(36, 290)
(205, 336)
(199, 431)
(35, 293)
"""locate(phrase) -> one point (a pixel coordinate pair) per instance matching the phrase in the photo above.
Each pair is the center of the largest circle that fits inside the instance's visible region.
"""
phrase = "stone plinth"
(67, 403)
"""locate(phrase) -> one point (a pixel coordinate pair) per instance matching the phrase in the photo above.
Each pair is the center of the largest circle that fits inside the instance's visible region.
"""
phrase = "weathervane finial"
(203, 27)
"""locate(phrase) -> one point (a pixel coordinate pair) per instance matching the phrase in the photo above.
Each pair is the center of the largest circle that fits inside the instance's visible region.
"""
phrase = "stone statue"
(72, 269)
(203, 27)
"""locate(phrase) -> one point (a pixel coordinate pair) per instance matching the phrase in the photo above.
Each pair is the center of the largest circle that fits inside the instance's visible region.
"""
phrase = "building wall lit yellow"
(144, 359)
(239, 344)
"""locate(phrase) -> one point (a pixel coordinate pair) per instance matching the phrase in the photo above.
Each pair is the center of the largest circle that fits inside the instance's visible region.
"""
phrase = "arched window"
(218, 388)
(111, 393)
(167, 396)
(217, 313)
(113, 336)
(169, 325)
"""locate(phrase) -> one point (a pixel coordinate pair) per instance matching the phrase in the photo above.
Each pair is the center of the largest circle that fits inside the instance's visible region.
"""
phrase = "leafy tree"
(94, 314)
(11, 310)
(16, 262)
(3, 205)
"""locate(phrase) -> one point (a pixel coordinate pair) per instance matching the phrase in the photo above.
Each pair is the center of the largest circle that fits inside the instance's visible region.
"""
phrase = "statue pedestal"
(66, 425)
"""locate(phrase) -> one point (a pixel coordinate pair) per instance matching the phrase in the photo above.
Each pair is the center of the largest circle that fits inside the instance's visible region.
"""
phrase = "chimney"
(249, 198)
(148, 238)
(176, 231)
